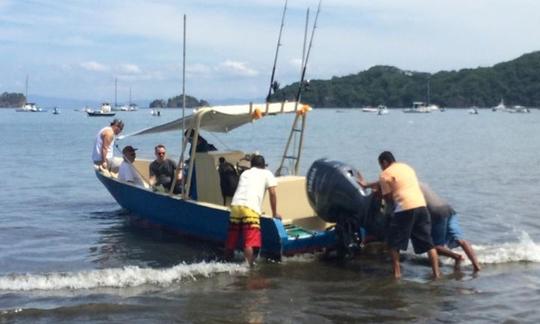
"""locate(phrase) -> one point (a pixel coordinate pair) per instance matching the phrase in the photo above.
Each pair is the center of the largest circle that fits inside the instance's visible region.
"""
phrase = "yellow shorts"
(244, 215)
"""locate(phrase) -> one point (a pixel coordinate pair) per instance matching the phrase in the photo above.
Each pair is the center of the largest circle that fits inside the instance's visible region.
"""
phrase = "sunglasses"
(160, 153)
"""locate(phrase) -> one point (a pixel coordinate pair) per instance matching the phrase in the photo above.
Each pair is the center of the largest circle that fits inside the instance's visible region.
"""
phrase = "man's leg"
(442, 250)
(249, 255)
(252, 241)
(434, 259)
(395, 263)
(467, 248)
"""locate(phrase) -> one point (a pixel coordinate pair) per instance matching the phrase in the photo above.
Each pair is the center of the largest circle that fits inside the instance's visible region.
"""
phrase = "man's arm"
(152, 179)
(364, 184)
(273, 202)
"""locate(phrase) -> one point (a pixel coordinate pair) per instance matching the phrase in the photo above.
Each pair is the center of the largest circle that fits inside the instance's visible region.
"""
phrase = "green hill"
(517, 81)
(176, 102)
(9, 100)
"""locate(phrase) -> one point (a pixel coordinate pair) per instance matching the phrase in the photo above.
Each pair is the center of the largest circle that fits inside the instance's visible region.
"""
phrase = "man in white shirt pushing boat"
(246, 211)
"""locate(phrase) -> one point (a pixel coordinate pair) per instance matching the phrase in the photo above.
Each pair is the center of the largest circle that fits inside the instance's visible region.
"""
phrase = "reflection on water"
(128, 241)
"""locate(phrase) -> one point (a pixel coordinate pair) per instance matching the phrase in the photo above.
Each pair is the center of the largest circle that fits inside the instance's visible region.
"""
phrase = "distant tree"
(10, 100)
(157, 103)
(191, 102)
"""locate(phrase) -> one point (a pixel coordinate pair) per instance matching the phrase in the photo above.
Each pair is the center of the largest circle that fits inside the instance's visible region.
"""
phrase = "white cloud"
(129, 69)
(94, 66)
(237, 68)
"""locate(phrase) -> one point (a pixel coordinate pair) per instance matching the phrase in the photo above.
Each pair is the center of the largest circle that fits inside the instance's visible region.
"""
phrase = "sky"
(77, 48)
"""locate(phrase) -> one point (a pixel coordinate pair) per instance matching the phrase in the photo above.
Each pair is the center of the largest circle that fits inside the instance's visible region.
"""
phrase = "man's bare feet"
(457, 264)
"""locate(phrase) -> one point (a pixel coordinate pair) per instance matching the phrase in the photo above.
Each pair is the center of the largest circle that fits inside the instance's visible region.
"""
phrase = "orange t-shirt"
(400, 180)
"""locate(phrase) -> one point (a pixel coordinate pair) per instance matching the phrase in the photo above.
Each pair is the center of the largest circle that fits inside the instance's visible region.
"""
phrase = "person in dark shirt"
(162, 170)
(202, 144)
(228, 179)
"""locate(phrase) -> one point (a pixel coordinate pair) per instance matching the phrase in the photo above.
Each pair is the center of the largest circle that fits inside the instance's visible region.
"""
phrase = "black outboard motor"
(337, 198)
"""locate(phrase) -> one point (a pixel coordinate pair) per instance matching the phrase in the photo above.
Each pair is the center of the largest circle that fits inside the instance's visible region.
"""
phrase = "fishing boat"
(206, 217)
(104, 111)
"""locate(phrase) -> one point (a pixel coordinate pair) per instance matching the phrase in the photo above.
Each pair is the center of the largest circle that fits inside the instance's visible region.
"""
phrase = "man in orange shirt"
(399, 187)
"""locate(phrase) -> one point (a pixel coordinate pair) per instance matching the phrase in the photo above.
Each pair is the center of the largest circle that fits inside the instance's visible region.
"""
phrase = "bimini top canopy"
(222, 119)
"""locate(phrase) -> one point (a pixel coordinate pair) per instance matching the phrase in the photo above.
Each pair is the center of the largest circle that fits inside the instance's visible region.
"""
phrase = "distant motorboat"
(518, 109)
(369, 109)
(433, 107)
(105, 111)
(473, 111)
(418, 107)
(382, 110)
(56, 111)
(155, 112)
(30, 107)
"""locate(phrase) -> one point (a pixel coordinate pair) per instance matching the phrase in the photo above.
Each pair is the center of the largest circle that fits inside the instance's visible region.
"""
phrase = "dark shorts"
(414, 224)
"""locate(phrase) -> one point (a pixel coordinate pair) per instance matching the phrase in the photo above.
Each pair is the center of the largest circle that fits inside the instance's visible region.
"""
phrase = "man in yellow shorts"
(400, 187)
(246, 208)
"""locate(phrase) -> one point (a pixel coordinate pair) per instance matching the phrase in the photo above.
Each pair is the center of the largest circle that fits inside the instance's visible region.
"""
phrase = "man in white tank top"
(102, 153)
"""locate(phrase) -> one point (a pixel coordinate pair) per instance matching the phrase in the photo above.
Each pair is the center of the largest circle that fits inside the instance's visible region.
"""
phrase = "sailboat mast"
(115, 91)
(26, 90)
(429, 91)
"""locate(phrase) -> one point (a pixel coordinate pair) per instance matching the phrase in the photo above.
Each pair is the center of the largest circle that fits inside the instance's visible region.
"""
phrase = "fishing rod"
(302, 116)
(305, 61)
(273, 84)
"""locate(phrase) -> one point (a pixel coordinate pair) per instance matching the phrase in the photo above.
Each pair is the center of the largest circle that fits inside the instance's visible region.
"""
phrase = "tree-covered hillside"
(12, 100)
(176, 102)
(517, 81)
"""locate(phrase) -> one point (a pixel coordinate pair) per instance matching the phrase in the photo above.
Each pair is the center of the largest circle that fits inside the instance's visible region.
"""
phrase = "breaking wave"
(524, 250)
(129, 276)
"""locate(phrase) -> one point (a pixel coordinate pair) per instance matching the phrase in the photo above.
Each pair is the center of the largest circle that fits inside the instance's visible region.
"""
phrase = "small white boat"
(105, 111)
(369, 109)
(30, 107)
(473, 111)
(433, 107)
(518, 109)
(155, 112)
(382, 110)
(418, 107)
(500, 106)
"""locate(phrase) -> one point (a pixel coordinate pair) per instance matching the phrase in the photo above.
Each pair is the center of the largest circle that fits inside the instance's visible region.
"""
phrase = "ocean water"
(68, 253)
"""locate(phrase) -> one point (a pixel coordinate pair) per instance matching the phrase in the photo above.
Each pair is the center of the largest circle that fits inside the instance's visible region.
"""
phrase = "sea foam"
(129, 276)
(524, 250)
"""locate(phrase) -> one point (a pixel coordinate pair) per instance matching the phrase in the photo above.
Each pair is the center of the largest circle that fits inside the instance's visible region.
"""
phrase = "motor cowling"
(336, 197)
(334, 193)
